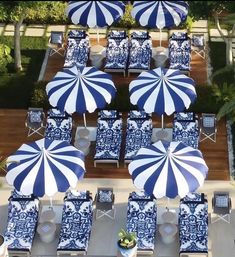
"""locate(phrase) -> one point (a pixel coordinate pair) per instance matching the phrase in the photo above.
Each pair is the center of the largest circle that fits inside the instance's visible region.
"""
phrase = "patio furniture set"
(128, 54)
(80, 210)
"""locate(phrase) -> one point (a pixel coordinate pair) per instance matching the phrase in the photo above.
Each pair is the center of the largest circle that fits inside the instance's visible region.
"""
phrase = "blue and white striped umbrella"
(160, 14)
(168, 169)
(162, 91)
(80, 90)
(95, 13)
(45, 167)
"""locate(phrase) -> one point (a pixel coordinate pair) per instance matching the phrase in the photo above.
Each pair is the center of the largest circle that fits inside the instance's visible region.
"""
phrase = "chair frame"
(37, 129)
(55, 48)
(105, 208)
(203, 134)
(220, 211)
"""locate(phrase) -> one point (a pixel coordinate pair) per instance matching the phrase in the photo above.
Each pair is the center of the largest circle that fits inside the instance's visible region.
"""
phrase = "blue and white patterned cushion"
(77, 51)
(117, 52)
(35, 116)
(140, 53)
(105, 114)
(140, 34)
(108, 139)
(105, 196)
(59, 129)
(133, 114)
(21, 224)
(76, 225)
(16, 195)
(198, 40)
(117, 34)
(77, 33)
(72, 194)
(180, 54)
(142, 219)
(193, 227)
(186, 132)
(138, 134)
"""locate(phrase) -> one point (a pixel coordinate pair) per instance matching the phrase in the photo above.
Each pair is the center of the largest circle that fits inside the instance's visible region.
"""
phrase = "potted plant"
(127, 240)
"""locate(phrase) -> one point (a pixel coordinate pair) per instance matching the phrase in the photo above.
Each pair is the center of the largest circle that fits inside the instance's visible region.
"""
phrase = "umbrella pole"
(98, 36)
(51, 205)
(160, 37)
(162, 121)
(84, 119)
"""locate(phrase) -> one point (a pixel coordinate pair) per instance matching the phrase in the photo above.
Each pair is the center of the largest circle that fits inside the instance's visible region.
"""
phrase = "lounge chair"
(59, 128)
(208, 129)
(221, 206)
(76, 223)
(138, 134)
(180, 52)
(142, 219)
(77, 50)
(104, 203)
(23, 214)
(117, 51)
(108, 140)
(186, 131)
(56, 43)
(199, 45)
(140, 53)
(35, 121)
(193, 225)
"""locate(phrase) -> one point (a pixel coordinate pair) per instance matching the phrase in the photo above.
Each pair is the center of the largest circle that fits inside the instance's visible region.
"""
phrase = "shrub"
(223, 75)
(39, 97)
(127, 21)
(5, 57)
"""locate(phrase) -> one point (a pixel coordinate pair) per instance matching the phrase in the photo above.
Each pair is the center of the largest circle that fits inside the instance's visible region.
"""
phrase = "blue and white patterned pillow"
(137, 114)
(179, 35)
(53, 112)
(185, 116)
(35, 116)
(72, 194)
(198, 40)
(105, 196)
(140, 34)
(221, 201)
(18, 195)
(56, 37)
(77, 33)
(104, 114)
(194, 197)
(140, 195)
(117, 34)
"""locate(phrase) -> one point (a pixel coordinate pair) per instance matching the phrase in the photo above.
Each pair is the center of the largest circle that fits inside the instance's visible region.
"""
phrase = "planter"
(127, 252)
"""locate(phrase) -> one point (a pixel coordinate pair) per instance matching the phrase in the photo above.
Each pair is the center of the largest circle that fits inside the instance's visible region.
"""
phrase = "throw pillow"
(198, 40)
(208, 122)
(35, 116)
(221, 201)
(137, 114)
(56, 38)
(105, 196)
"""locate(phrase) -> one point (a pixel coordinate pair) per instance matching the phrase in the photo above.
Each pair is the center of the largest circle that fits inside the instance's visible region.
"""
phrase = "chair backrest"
(208, 120)
(35, 115)
(221, 200)
(57, 37)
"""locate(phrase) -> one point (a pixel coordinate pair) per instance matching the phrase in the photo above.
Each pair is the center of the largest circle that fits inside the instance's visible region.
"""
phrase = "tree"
(207, 9)
(17, 11)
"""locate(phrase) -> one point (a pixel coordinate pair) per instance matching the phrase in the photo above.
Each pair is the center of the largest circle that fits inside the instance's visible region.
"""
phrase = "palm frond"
(227, 109)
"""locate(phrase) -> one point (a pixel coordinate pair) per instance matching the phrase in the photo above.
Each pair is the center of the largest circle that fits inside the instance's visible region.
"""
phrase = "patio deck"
(13, 132)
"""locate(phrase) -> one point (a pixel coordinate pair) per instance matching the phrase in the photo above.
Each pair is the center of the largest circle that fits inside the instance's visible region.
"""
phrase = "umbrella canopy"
(80, 89)
(162, 91)
(168, 169)
(45, 167)
(95, 13)
(160, 14)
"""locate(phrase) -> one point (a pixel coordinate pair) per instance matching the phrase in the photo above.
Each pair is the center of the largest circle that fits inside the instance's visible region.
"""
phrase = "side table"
(168, 232)
(46, 231)
(48, 215)
(97, 54)
(83, 144)
(84, 133)
(169, 217)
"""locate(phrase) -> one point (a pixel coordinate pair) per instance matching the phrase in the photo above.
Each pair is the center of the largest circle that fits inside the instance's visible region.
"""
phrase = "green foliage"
(227, 109)
(224, 75)
(127, 21)
(39, 97)
(26, 42)
(223, 93)
(5, 57)
(127, 240)
(218, 60)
